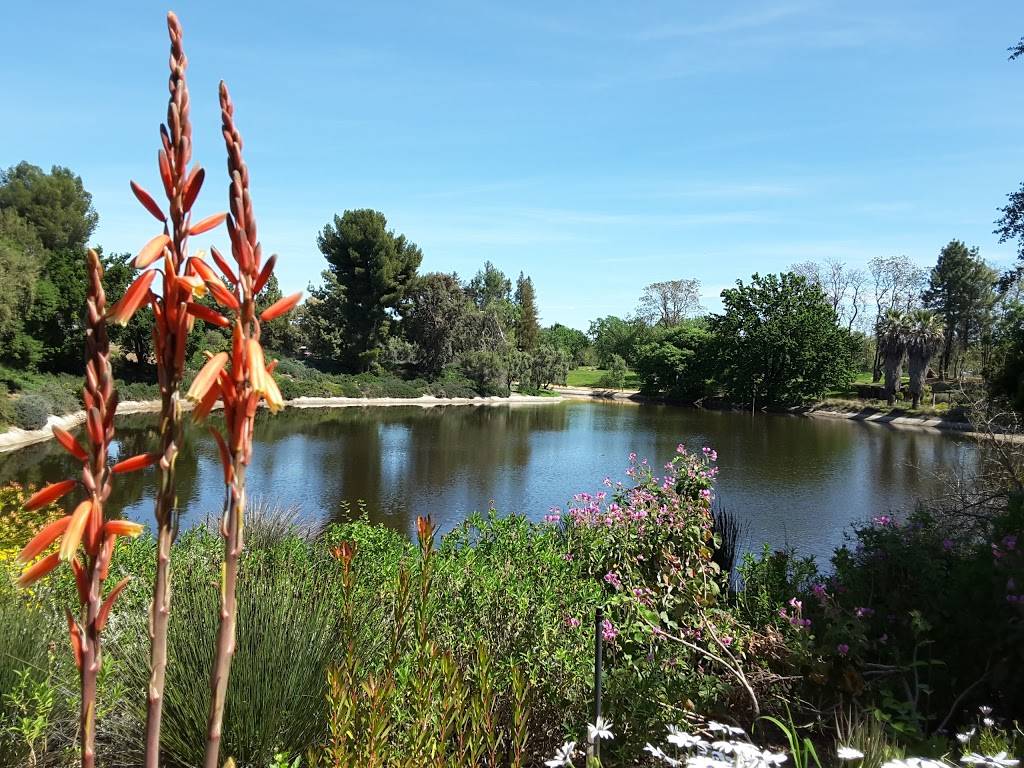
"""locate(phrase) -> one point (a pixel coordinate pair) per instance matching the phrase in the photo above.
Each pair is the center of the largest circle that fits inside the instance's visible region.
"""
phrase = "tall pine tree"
(528, 326)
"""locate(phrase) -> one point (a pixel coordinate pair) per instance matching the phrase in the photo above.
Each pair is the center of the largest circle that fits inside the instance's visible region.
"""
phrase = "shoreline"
(15, 438)
(821, 411)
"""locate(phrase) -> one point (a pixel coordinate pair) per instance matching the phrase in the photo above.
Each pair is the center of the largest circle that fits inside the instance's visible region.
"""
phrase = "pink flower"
(552, 518)
(613, 579)
(726, 640)
(863, 613)
(843, 649)
(608, 631)
(572, 622)
(947, 544)
(1010, 542)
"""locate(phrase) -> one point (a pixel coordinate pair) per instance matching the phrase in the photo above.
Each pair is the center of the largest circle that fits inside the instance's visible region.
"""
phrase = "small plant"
(801, 748)
(32, 411)
(29, 704)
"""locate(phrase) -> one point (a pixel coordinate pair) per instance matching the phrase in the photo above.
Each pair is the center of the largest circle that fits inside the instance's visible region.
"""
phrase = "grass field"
(589, 376)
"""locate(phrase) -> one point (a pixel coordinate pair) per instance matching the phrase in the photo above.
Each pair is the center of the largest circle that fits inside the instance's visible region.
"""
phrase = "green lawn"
(589, 376)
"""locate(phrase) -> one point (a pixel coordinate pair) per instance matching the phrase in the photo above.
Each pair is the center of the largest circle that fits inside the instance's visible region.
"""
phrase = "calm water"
(793, 480)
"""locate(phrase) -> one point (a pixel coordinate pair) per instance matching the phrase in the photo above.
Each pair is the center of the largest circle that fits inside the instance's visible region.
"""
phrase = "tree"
(962, 288)
(547, 365)
(891, 332)
(675, 364)
(489, 286)
(573, 341)
(437, 319)
(614, 336)
(779, 342)
(527, 327)
(373, 269)
(845, 288)
(55, 204)
(21, 258)
(47, 220)
(897, 283)
(924, 337)
(668, 303)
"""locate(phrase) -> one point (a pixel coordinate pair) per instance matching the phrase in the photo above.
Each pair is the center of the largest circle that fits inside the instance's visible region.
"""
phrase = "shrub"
(615, 378)
(6, 407)
(287, 638)
(31, 411)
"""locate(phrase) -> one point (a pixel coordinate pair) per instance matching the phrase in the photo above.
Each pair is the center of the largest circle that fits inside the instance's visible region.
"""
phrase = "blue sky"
(598, 146)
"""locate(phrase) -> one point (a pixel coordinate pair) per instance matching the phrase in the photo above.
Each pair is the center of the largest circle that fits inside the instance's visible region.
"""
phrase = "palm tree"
(924, 337)
(892, 346)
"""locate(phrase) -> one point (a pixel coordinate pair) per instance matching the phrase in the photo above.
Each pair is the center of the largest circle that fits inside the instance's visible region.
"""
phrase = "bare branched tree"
(669, 302)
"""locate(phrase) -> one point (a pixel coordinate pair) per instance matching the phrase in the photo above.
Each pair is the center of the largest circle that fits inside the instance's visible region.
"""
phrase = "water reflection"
(794, 480)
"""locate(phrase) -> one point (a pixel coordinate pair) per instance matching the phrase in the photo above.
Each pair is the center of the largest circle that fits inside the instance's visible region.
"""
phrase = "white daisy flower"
(999, 760)
(602, 729)
(849, 753)
(658, 754)
(682, 739)
(563, 757)
(966, 736)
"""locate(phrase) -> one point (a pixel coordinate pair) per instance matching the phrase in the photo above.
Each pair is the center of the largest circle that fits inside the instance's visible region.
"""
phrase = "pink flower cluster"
(795, 616)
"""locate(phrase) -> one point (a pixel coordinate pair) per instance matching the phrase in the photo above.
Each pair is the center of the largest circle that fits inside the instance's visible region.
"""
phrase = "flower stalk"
(172, 324)
(86, 537)
(241, 380)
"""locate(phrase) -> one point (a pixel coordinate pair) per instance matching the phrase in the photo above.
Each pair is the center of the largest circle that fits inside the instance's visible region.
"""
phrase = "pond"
(790, 479)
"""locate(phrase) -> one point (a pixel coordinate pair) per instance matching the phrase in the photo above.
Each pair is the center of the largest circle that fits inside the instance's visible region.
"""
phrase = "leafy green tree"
(438, 318)
(528, 326)
(1008, 375)
(962, 288)
(21, 258)
(487, 369)
(573, 341)
(547, 365)
(489, 286)
(370, 271)
(676, 364)
(56, 204)
(779, 342)
(616, 375)
(614, 336)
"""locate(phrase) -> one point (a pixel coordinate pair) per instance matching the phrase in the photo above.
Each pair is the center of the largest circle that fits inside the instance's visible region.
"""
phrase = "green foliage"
(487, 369)
(962, 289)
(371, 269)
(571, 340)
(615, 377)
(437, 319)
(55, 204)
(676, 363)
(779, 342)
(528, 327)
(614, 336)
(801, 748)
(546, 366)
(31, 411)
